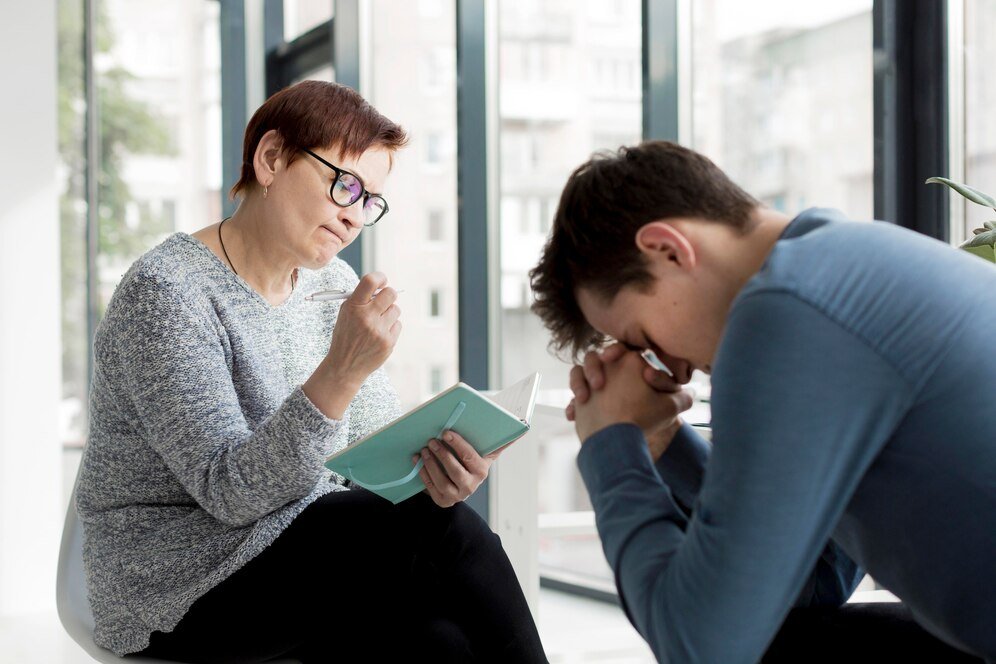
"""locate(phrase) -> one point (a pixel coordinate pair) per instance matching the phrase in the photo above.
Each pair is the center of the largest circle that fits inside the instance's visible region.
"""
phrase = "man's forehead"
(607, 317)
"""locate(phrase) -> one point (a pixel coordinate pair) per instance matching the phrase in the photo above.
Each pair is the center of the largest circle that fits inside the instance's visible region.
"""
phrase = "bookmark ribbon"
(450, 423)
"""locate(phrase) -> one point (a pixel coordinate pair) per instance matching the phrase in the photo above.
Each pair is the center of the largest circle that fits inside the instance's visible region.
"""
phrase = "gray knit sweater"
(202, 445)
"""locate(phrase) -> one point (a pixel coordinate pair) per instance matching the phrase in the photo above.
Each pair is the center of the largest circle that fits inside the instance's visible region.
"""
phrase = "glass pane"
(303, 15)
(570, 77)
(413, 82)
(326, 73)
(72, 217)
(782, 101)
(980, 102)
(159, 97)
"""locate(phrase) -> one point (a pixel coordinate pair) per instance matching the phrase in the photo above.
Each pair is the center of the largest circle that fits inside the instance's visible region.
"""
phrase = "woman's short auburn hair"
(317, 114)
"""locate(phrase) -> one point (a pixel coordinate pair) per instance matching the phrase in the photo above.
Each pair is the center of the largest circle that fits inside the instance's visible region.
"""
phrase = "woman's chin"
(326, 251)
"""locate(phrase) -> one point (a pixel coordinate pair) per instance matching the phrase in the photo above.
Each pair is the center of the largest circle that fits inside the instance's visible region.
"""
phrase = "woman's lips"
(337, 236)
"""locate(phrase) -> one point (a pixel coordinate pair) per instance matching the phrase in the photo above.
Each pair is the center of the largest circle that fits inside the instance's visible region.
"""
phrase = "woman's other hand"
(453, 469)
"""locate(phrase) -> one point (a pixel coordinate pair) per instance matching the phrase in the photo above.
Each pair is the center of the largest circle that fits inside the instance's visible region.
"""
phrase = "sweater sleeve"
(801, 408)
(176, 376)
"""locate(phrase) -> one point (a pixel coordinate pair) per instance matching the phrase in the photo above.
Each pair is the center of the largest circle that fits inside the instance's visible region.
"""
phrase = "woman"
(213, 532)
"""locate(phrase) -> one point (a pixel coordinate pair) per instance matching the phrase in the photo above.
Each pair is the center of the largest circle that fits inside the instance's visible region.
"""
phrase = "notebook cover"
(386, 455)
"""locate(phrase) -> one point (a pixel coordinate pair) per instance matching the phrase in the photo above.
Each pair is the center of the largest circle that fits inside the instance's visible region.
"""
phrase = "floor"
(573, 630)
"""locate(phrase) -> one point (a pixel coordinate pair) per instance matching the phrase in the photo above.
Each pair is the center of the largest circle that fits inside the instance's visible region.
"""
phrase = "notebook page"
(519, 399)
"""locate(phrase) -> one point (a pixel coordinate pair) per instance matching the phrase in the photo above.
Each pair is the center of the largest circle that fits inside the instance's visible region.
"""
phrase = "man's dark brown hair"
(605, 202)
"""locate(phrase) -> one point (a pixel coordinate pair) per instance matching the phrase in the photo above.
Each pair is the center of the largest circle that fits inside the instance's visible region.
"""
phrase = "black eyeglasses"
(347, 188)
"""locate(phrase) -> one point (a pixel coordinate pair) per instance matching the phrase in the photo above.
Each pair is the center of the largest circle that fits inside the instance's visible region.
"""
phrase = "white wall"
(30, 344)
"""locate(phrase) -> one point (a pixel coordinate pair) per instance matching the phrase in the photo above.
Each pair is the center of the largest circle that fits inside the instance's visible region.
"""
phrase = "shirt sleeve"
(801, 408)
(176, 376)
(682, 467)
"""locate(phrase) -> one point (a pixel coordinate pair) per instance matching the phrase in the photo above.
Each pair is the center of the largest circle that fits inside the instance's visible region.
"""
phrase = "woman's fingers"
(442, 482)
(432, 490)
(368, 285)
(391, 315)
(385, 299)
(464, 456)
(452, 471)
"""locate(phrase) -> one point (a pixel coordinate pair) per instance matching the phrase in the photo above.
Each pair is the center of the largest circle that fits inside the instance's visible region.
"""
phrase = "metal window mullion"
(660, 70)
(345, 57)
(911, 114)
(661, 121)
(234, 114)
(956, 116)
(91, 172)
(273, 24)
(475, 255)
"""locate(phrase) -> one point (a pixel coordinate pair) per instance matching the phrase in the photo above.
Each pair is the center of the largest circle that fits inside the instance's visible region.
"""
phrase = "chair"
(71, 598)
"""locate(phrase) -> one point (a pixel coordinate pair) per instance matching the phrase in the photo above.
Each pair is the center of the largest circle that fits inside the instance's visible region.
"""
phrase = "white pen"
(651, 358)
(332, 295)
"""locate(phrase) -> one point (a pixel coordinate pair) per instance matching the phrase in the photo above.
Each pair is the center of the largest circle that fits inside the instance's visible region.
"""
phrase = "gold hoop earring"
(264, 192)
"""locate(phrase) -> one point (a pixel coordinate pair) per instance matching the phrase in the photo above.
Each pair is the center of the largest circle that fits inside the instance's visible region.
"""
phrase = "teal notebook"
(382, 461)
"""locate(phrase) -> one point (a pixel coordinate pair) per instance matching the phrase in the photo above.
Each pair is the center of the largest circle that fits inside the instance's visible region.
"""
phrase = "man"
(853, 376)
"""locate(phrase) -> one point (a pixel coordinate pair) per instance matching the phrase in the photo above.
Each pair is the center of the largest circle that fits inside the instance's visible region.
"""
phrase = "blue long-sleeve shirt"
(853, 398)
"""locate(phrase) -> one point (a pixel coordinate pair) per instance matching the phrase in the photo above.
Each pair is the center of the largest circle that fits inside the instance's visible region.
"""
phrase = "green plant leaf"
(987, 252)
(982, 239)
(971, 193)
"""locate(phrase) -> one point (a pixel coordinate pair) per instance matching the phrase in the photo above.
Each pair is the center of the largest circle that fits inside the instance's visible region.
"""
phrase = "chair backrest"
(71, 598)
(70, 593)
(70, 585)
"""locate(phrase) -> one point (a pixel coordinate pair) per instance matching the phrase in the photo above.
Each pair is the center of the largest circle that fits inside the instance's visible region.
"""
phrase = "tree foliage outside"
(126, 127)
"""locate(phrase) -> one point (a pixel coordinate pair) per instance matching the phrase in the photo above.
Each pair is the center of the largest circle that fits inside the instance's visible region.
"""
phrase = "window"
(435, 308)
(303, 15)
(435, 221)
(435, 380)
(980, 100)
(434, 148)
(438, 68)
(782, 101)
(323, 73)
(159, 97)
(402, 36)
(72, 219)
(548, 121)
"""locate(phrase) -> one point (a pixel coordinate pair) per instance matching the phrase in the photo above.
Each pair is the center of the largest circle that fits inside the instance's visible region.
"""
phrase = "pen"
(651, 358)
(332, 295)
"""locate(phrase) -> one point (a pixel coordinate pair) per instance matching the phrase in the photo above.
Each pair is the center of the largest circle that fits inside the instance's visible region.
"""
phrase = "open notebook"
(382, 461)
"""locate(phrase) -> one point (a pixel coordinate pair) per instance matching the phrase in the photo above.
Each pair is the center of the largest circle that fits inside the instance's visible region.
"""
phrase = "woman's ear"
(268, 157)
(660, 240)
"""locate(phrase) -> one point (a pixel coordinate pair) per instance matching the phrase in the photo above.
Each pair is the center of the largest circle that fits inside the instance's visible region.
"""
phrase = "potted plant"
(984, 242)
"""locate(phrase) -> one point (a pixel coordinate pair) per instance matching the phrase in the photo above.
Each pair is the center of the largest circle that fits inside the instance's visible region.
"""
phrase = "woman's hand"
(366, 330)
(364, 336)
(453, 469)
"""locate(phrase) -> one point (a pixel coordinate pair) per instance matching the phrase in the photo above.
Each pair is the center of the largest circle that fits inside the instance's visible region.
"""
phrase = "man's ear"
(269, 157)
(659, 239)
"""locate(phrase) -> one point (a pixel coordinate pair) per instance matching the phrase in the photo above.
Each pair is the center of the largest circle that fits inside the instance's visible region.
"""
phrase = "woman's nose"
(352, 216)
